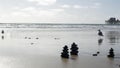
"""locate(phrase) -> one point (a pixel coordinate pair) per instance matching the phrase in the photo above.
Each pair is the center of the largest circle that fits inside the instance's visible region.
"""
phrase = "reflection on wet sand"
(113, 36)
(2, 37)
(100, 41)
(74, 57)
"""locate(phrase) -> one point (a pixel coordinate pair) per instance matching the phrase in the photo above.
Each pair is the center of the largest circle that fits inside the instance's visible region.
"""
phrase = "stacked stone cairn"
(74, 49)
(65, 53)
(111, 53)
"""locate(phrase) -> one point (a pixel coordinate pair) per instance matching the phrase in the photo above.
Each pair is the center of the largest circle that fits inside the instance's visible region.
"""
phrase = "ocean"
(24, 44)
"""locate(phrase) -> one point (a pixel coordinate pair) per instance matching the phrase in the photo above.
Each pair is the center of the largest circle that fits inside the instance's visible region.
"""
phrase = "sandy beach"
(36, 48)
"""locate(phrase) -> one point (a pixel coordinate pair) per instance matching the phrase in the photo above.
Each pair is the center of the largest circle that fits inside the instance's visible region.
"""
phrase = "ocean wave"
(59, 26)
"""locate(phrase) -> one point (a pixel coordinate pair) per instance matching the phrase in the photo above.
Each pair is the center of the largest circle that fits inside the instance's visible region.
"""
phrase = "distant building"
(112, 20)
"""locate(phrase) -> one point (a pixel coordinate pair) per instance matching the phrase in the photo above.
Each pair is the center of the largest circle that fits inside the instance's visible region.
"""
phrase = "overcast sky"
(58, 11)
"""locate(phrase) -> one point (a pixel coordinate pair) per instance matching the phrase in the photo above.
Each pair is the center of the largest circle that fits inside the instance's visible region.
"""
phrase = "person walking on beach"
(100, 33)
(2, 31)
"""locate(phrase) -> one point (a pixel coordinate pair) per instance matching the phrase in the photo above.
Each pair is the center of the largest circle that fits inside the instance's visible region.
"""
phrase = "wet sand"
(56, 62)
(25, 48)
